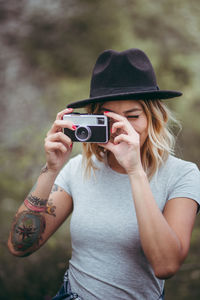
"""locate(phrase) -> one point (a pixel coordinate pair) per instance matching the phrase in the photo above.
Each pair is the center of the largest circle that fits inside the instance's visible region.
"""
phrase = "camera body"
(89, 128)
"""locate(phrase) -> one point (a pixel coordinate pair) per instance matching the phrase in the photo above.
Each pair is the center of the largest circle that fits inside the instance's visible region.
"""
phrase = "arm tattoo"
(56, 188)
(36, 204)
(44, 169)
(50, 208)
(28, 227)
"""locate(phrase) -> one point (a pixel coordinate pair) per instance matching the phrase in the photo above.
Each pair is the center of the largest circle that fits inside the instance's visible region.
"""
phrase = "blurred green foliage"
(47, 53)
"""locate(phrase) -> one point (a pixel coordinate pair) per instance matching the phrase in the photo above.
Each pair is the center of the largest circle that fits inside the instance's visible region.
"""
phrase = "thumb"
(108, 146)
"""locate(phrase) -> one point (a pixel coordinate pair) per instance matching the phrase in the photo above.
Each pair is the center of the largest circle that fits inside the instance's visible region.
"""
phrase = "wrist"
(138, 172)
(136, 169)
(138, 178)
(46, 169)
(48, 174)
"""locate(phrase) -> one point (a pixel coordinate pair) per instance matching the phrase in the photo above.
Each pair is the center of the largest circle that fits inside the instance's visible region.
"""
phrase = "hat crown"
(126, 75)
(125, 71)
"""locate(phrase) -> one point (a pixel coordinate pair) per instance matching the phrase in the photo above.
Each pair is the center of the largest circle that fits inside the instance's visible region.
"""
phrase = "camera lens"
(83, 133)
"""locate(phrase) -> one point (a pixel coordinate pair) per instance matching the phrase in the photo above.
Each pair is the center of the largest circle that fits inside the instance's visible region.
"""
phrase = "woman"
(133, 204)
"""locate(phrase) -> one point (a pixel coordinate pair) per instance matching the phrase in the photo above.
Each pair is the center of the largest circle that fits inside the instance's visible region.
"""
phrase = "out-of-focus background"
(47, 51)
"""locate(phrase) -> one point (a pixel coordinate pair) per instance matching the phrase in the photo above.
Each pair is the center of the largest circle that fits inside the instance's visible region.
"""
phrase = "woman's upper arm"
(180, 214)
(59, 207)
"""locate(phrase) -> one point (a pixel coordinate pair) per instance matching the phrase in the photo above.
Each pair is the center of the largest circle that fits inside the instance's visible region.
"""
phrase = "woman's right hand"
(58, 146)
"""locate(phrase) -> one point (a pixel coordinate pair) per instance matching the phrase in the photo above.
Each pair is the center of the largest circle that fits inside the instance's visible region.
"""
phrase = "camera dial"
(83, 133)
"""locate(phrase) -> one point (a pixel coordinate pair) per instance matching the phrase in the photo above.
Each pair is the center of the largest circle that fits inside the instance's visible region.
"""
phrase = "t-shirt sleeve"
(63, 178)
(186, 183)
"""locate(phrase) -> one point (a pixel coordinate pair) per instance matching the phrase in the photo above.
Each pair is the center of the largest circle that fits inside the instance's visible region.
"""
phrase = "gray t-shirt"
(107, 258)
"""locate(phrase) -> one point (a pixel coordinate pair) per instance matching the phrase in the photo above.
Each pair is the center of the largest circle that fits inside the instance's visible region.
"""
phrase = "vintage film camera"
(89, 128)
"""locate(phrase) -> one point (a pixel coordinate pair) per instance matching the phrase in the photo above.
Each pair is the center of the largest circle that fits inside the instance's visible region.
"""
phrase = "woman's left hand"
(124, 143)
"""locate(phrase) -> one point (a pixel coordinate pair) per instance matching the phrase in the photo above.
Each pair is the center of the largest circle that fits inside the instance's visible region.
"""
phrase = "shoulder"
(175, 166)
(71, 170)
(176, 173)
(74, 162)
(72, 165)
(182, 178)
(76, 159)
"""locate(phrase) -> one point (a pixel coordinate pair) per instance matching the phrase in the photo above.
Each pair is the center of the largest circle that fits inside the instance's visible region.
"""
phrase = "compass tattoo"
(27, 230)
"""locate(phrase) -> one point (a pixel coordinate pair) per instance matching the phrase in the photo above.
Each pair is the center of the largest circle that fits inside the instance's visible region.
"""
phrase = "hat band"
(118, 90)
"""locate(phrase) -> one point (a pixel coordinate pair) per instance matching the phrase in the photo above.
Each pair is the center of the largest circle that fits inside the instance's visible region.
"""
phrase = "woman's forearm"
(40, 215)
(43, 186)
(29, 228)
(159, 242)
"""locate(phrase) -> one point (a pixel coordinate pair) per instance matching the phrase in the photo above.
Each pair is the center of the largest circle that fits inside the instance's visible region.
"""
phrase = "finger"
(127, 139)
(122, 122)
(108, 146)
(121, 125)
(58, 125)
(63, 112)
(59, 137)
(56, 146)
(114, 116)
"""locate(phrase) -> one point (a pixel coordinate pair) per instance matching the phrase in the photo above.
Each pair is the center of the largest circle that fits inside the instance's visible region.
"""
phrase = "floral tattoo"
(36, 204)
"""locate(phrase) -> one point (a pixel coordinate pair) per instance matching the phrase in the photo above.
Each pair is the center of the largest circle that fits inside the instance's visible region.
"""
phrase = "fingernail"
(106, 112)
(74, 127)
(71, 146)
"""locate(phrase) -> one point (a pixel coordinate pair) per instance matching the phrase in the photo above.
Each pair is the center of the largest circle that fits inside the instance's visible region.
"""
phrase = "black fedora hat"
(123, 75)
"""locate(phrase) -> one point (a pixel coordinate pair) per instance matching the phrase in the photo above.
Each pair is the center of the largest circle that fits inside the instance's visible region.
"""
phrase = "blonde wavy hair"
(159, 144)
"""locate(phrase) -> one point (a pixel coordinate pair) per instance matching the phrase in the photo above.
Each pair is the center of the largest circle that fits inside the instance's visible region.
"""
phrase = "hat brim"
(158, 94)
